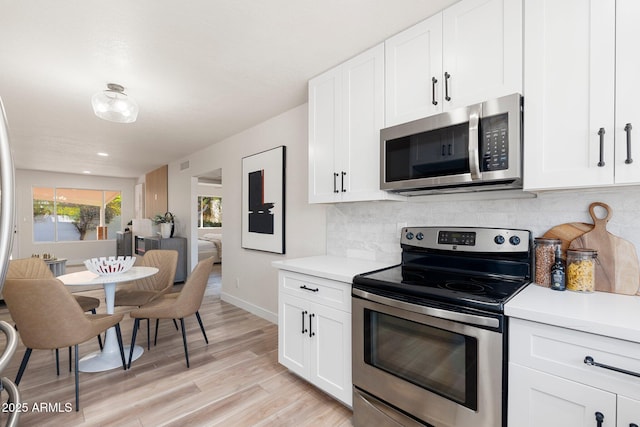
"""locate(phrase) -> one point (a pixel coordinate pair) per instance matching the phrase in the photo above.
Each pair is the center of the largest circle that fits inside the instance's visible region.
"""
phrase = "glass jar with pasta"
(581, 271)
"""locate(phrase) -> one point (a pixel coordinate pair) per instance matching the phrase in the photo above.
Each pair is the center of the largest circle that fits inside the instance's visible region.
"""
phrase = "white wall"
(305, 224)
(370, 230)
(75, 252)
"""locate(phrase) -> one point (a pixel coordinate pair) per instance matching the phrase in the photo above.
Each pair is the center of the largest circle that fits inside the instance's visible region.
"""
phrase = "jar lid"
(584, 252)
(547, 240)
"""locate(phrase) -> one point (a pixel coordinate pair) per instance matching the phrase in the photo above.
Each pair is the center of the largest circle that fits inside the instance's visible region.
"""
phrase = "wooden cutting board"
(617, 267)
(568, 232)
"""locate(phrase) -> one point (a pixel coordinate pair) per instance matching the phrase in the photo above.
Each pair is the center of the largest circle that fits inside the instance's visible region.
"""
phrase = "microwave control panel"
(495, 143)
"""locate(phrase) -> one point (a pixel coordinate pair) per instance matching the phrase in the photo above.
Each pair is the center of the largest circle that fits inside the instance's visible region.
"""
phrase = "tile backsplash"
(371, 230)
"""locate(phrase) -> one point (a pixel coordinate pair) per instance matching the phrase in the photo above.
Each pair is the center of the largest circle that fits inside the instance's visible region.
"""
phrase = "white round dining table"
(109, 357)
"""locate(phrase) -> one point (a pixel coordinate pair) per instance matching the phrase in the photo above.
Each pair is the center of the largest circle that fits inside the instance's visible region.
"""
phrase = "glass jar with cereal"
(545, 256)
(581, 270)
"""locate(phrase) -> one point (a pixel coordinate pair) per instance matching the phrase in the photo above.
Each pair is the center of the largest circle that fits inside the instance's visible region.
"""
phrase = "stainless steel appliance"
(429, 335)
(7, 213)
(474, 148)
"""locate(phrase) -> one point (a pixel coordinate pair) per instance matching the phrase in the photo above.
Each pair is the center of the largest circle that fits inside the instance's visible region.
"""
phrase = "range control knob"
(420, 236)
(514, 240)
(499, 239)
(409, 235)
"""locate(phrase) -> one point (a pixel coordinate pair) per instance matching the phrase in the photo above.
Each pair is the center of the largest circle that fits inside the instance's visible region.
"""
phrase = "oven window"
(435, 359)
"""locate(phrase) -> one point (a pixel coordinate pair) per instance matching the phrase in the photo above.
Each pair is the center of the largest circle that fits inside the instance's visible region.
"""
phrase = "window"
(69, 214)
(209, 212)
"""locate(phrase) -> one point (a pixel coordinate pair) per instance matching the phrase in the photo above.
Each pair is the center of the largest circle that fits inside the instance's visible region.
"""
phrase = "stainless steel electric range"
(429, 335)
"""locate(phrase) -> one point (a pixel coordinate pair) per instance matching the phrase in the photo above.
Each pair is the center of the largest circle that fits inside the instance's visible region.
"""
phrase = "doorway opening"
(209, 225)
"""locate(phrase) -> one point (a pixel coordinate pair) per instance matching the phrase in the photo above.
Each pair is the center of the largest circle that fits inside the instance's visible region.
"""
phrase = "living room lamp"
(114, 105)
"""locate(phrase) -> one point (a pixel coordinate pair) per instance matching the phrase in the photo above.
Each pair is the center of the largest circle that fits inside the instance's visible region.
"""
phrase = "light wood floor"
(234, 381)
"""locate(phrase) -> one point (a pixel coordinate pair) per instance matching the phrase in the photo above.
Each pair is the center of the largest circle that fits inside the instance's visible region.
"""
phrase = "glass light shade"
(114, 105)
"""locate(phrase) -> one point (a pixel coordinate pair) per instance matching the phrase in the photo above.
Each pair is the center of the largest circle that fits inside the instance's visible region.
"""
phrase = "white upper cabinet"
(482, 51)
(346, 113)
(325, 121)
(468, 53)
(413, 72)
(627, 130)
(580, 91)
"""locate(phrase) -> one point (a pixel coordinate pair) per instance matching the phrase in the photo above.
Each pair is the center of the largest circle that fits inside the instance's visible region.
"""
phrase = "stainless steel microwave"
(473, 148)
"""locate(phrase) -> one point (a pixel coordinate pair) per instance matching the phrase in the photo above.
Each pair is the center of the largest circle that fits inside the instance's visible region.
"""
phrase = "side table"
(58, 266)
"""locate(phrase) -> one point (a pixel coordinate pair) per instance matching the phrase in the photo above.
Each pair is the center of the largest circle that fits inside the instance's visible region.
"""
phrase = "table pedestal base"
(103, 361)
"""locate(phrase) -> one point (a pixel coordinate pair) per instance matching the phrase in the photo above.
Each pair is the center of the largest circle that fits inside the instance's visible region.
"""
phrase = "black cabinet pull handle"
(443, 150)
(304, 330)
(433, 90)
(311, 333)
(588, 360)
(601, 133)
(446, 86)
(335, 183)
(599, 419)
(343, 173)
(309, 289)
(450, 149)
(633, 425)
(627, 129)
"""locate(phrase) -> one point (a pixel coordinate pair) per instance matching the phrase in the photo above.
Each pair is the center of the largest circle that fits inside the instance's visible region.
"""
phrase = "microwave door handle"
(474, 141)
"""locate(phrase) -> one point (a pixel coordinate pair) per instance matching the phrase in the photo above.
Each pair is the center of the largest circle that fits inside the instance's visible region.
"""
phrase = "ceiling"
(200, 71)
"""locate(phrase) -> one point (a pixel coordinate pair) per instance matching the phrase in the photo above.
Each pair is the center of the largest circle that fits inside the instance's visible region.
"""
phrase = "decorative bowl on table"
(105, 266)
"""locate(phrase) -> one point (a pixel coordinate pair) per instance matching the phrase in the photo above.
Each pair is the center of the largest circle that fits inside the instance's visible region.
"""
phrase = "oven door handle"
(455, 316)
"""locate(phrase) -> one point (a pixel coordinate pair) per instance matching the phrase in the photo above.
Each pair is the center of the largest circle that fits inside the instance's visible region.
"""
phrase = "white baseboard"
(251, 308)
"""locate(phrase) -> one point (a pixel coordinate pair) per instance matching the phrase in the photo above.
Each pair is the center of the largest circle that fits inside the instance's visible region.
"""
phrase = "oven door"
(443, 368)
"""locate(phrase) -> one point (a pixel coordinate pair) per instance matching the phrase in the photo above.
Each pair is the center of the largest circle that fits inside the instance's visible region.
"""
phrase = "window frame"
(107, 196)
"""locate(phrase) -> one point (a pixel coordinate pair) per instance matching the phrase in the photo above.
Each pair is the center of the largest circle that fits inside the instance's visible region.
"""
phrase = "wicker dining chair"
(48, 317)
(172, 306)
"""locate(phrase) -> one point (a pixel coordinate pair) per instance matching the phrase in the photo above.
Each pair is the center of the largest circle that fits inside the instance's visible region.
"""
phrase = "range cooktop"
(473, 267)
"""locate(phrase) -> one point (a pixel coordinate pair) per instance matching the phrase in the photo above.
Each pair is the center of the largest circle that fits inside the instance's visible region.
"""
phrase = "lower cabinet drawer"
(316, 289)
(565, 352)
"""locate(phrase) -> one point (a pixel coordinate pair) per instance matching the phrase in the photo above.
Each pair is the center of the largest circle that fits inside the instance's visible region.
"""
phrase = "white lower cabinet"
(628, 412)
(314, 331)
(539, 399)
(550, 384)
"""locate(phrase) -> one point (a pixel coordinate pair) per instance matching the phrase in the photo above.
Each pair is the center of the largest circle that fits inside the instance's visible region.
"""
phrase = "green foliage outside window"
(71, 214)
(209, 211)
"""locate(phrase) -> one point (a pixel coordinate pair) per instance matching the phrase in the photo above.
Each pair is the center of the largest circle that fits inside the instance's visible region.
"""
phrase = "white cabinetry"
(550, 384)
(314, 331)
(468, 53)
(581, 91)
(346, 113)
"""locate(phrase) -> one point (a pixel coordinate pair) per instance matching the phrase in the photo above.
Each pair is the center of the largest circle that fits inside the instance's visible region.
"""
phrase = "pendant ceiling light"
(114, 105)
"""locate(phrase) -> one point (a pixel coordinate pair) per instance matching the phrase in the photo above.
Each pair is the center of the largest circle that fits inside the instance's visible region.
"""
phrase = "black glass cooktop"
(484, 291)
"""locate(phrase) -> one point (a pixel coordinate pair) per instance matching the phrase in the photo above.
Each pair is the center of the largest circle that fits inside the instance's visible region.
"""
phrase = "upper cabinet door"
(413, 72)
(325, 127)
(359, 155)
(569, 67)
(482, 50)
(627, 131)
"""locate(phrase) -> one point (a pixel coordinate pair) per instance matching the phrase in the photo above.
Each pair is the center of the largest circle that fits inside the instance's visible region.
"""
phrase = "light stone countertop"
(603, 313)
(330, 267)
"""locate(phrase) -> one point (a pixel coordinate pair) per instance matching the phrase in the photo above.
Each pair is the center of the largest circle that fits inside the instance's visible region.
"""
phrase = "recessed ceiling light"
(103, 154)
(87, 172)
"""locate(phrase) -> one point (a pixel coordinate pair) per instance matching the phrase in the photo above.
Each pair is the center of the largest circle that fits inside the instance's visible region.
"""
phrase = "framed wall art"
(263, 204)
